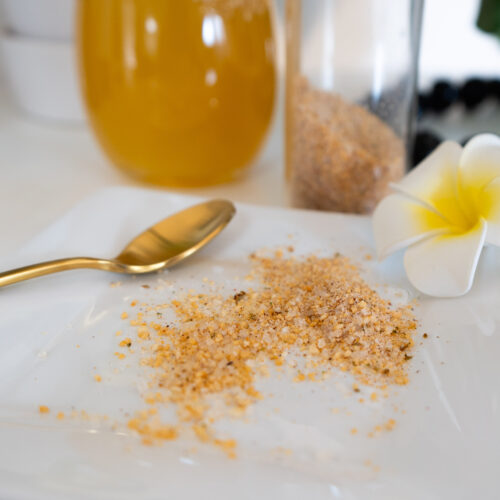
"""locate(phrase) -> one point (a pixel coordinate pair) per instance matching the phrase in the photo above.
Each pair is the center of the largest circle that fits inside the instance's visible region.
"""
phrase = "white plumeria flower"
(444, 210)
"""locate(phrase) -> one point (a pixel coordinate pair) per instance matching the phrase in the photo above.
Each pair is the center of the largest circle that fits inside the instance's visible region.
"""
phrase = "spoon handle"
(55, 266)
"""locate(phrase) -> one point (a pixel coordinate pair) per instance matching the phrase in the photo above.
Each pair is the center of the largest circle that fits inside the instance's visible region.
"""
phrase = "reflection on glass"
(212, 30)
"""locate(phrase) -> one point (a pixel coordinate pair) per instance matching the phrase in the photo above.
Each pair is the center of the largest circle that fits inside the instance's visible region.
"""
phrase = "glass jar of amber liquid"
(178, 92)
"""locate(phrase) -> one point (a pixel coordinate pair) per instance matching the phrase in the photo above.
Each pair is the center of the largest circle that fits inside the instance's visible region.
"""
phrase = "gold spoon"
(162, 245)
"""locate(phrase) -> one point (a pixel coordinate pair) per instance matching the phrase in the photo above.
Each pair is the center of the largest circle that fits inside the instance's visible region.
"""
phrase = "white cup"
(49, 19)
(42, 77)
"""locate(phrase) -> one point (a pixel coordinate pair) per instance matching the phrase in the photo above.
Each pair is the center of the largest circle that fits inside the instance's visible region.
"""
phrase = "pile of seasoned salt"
(311, 315)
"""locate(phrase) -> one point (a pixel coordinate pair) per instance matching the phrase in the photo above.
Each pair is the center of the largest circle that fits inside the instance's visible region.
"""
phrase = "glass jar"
(178, 92)
(350, 97)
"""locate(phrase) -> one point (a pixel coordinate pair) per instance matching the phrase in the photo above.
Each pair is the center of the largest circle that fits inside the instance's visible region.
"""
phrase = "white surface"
(50, 19)
(46, 169)
(42, 76)
(444, 446)
(452, 46)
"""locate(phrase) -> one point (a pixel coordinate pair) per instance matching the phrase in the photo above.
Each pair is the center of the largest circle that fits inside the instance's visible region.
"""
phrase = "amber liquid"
(178, 92)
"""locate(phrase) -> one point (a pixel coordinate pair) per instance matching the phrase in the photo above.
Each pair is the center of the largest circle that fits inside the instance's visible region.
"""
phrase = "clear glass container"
(178, 92)
(350, 99)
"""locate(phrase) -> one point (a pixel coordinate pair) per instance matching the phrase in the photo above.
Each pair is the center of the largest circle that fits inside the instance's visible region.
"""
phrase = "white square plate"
(445, 445)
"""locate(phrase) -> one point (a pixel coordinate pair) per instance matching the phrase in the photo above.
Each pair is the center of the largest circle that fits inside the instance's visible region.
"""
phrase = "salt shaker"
(350, 99)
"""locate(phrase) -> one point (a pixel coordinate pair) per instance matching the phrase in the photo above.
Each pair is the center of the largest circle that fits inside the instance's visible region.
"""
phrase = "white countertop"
(47, 168)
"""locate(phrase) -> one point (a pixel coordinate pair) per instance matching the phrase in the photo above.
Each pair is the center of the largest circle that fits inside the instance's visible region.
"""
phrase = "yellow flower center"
(462, 204)
(459, 218)
(454, 202)
(475, 201)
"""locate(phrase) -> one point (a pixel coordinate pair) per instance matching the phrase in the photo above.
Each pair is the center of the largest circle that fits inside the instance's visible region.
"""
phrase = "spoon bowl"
(162, 245)
(176, 237)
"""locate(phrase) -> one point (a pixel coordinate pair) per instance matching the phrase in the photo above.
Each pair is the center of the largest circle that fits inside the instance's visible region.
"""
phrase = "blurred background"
(37, 39)
(49, 159)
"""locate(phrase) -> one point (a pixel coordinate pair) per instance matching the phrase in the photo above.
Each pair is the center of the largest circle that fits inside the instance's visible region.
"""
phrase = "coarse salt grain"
(318, 309)
(340, 156)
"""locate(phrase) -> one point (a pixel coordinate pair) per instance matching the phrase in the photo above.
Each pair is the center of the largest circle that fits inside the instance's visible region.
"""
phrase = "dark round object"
(423, 104)
(442, 96)
(473, 92)
(425, 143)
(493, 89)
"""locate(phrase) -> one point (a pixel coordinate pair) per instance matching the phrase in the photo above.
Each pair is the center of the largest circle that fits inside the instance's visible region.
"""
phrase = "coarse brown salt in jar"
(350, 92)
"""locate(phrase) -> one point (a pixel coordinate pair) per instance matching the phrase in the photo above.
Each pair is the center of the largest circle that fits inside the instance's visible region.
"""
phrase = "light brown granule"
(386, 426)
(317, 311)
(60, 416)
(227, 445)
(97, 378)
(43, 409)
(390, 424)
(340, 156)
(152, 430)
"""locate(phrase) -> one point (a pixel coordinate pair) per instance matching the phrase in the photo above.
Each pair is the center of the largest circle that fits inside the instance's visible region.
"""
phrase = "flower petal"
(444, 266)
(399, 221)
(489, 208)
(434, 181)
(480, 161)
